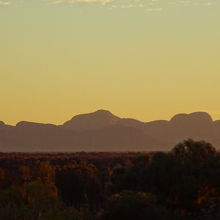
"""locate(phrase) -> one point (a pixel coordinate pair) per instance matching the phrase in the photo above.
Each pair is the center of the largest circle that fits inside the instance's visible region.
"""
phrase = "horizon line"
(133, 118)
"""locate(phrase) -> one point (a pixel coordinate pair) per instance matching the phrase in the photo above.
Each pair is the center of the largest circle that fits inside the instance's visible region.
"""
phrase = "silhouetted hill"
(91, 121)
(103, 131)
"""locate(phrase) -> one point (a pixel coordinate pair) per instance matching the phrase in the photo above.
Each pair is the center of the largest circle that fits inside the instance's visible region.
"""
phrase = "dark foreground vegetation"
(183, 184)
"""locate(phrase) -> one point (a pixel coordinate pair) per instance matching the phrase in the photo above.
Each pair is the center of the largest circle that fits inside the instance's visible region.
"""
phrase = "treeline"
(183, 184)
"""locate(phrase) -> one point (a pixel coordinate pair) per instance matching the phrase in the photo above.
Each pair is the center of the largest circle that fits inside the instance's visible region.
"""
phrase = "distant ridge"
(103, 131)
(94, 120)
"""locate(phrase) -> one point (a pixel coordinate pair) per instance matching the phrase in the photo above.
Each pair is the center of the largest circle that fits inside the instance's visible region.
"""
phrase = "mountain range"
(103, 131)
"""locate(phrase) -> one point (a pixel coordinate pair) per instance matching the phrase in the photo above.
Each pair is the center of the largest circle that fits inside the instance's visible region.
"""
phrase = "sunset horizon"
(109, 110)
(142, 59)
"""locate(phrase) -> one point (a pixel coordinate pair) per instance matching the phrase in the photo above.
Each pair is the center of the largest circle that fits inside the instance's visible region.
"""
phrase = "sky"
(144, 59)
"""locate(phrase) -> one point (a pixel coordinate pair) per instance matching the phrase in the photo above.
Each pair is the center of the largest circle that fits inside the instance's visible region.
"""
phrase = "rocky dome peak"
(202, 116)
(102, 112)
(92, 121)
(179, 117)
(195, 117)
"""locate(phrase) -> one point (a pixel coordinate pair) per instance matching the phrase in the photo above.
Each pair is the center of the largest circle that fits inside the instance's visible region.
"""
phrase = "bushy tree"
(130, 205)
(44, 172)
(79, 185)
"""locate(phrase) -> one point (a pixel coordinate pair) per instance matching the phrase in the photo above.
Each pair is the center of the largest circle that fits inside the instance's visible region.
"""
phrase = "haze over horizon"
(143, 59)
